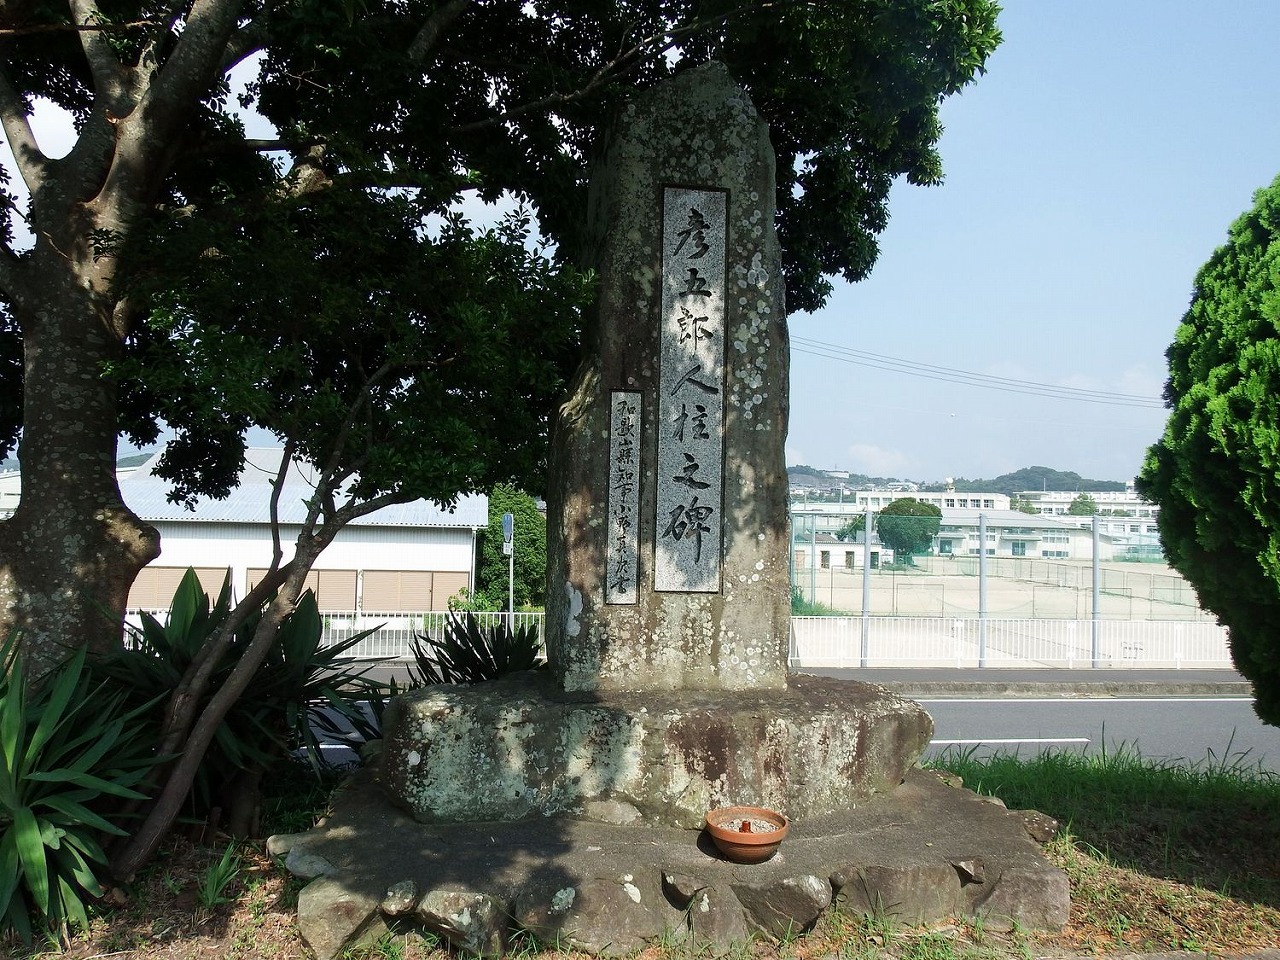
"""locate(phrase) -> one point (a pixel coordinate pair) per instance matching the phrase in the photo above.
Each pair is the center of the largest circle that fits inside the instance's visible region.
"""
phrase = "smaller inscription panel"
(622, 557)
(688, 540)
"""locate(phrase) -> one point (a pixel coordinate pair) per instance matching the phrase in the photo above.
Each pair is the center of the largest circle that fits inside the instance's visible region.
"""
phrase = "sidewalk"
(1049, 682)
(1013, 682)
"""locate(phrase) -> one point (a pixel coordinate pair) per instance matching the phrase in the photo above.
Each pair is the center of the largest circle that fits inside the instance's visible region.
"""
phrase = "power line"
(929, 371)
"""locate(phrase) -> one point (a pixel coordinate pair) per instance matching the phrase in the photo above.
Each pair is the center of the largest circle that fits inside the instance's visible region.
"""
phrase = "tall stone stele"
(669, 592)
(667, 521)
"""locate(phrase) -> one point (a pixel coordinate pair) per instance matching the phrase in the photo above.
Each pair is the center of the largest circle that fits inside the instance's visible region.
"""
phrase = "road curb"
(1105, 688)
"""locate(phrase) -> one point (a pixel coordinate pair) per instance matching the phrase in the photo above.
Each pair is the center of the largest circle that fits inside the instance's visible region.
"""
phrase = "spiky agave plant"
(70, 750)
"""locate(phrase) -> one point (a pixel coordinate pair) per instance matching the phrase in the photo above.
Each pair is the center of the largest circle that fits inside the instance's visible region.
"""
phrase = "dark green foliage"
(1029, 478)
(530, 552)
(511, 99)
(1082, 506)
(851, 528)
(1216, 470)
(299, 681)
(907, 526)
(469, 653)
(70, 749)
(393, 345)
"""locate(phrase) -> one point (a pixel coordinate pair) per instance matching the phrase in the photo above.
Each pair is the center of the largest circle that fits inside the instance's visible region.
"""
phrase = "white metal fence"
(890, 641)
(967, 642)
(393, 633)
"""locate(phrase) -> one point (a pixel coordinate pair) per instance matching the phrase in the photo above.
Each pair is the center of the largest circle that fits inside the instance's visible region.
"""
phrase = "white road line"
(971, 743)
(1090, 699)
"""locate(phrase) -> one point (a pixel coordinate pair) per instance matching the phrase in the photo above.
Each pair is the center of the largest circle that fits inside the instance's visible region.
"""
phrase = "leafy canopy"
(529, 543)
(1216, 470)
(907, 526)
(306, 285)
(1082, 506)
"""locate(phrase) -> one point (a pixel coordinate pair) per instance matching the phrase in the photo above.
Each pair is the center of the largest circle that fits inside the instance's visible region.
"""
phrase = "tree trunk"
(72, 549)
(138, 849)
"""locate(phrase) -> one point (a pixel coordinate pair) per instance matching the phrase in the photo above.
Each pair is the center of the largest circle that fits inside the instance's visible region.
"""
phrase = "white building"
(1121, 503)
(406, 557)
(838, 554)
(1009, 533)
(1124, 517)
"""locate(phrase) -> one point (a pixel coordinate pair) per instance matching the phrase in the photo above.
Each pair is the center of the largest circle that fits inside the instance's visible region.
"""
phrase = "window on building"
(825, 559)
(989, 504)
(334, 589)
(849, 560)
(1019, 549)
(951, 501)
(399, 590)
(154, 587)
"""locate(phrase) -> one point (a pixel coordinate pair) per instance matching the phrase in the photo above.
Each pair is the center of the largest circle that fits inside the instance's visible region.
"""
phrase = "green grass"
(1213, 824)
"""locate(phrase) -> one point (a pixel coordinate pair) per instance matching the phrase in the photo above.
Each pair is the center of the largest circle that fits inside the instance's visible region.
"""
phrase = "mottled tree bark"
(72, 549)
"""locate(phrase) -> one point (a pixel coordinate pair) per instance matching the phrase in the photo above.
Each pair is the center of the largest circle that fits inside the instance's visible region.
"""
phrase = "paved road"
(1166, 728)
(1167, 714)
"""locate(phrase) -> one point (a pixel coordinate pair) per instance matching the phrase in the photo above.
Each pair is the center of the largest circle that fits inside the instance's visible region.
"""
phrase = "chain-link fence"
(1000, 565)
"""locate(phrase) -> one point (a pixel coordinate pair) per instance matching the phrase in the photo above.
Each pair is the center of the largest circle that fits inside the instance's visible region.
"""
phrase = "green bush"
(469, 653)
(300, 686)
(70, 749)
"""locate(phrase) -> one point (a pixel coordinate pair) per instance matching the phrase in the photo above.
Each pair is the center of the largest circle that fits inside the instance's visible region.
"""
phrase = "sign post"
(508, 547)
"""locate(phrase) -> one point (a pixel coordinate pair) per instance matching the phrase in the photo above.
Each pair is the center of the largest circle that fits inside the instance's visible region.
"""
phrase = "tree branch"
(277, 485)
(33, 165)
(248, 40)
(198, 54)
(435, 26)
(121, 27)
(106, 67)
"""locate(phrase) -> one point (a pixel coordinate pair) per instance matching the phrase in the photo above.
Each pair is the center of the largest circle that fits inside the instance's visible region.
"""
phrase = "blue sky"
(1089, 174)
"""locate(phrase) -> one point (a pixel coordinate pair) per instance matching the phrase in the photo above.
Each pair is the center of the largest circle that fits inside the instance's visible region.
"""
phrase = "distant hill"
(1028, 478)
(1031, 478)
(804, 475)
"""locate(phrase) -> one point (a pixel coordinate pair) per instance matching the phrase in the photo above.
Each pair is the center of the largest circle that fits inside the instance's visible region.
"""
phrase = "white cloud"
(877, 461)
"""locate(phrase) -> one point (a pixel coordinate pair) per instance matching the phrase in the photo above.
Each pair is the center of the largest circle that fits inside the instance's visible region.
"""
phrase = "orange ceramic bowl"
(754, 846)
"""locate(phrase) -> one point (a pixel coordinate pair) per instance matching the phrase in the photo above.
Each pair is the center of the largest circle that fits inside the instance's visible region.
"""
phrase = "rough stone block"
(333, 917)
(520, 747)
(1034, 896)
(400, 898)
(475, 923)
(717, 920)
(609, 917)
(908, 892)
(787, 907)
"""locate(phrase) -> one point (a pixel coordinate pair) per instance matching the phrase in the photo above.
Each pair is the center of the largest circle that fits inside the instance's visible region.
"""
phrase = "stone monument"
(668, 615)
(668, 522)
(554, 802)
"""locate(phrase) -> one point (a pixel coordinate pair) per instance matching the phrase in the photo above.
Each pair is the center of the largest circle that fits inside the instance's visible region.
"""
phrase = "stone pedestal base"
(521, 747)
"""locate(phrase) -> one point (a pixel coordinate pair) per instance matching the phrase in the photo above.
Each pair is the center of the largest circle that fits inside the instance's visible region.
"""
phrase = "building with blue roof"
(405, 557)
